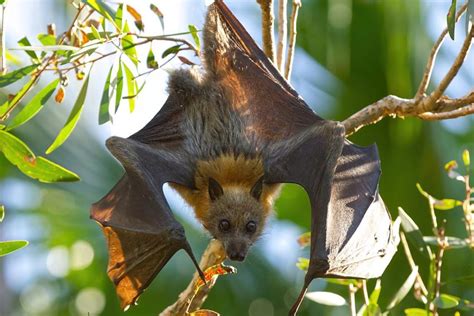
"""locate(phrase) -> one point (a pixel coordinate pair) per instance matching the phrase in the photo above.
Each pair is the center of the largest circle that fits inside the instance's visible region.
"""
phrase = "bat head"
(236, 217)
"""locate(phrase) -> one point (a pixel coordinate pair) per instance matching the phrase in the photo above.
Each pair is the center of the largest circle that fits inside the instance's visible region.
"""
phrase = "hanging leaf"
(326, 298)
(14, 99)
(128, 45)
(186, 61)
(104, 116)
(404, 289)
(137, 17)
(151, 61)
(119, 17)
(303, 264)
(452, 242)
(171, 50)
(47, 39)
(72, 119)
(25, 42)
(119, 87)
(466, 158)
(59, 98)
(42, 169)
(194, 33)
(16, 75)
(131, 87)
(446, 204)
(158, 13)
(34, 106)
(413, 233)
(415, 312)
(446, 301)
(95, 32)
(304, 240)
(451, 18)
(103, 9)
(50, 48)
(7, 247)
(2, 213)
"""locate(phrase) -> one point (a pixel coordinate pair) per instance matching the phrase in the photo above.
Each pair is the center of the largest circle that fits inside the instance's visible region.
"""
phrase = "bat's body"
(225, 139)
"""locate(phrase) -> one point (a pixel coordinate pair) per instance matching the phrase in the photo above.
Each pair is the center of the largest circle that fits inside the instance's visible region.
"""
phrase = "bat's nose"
(237, 256)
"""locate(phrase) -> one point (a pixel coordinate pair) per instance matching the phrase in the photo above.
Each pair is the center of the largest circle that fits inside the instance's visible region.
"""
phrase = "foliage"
(432, 247)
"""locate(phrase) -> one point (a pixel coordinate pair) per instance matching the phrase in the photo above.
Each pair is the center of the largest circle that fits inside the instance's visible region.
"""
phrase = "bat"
(226, 138)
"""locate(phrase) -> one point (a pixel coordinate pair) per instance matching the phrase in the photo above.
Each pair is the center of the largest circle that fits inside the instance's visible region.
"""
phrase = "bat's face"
(235, 217)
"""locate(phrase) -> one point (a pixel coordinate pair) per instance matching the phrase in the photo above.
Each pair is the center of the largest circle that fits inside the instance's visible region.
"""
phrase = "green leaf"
(194, 33)
(151, 61)
(34, 106)
(453, 242)
(374, 296)
(128, 45)
(104, 115)
(131, 87)
(16, 75)
(7, 247)
(72, 119)
(404, 289)
(2, 213)
(6, 107)
(25, 42)
(158, 13)
(446, 301)
(414, 234)
(451, 18)
(103, 9)
(95, 32)
(47, 39)
(18, 153)
(415, 312)
(446, 204)
(171, 50)
(119, 87)
(326, 298)
(342, 281)
(119, 16)
(466, 158)
(51, 48)
(303, 264)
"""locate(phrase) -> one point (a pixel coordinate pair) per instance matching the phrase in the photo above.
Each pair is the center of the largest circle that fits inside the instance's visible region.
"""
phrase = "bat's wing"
(351, 230)
(141, 232)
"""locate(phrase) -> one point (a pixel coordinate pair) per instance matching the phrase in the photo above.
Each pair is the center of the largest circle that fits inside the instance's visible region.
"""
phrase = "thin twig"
(282, 30)
(466, 110)
(3, 64)
(438, 92)
(267, 28)
(412, 263)
(292, 42)
(352, 291)
(365, 292)
(432, 58)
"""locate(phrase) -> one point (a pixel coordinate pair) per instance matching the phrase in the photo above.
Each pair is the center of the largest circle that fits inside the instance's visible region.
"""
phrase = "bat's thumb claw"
(189, 251)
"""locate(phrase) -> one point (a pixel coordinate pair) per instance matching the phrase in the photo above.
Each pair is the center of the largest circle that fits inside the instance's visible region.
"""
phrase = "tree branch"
(267, 28)
(432, 107)
(432, 58)
(282, 30)
(292, 42)
(188, 299)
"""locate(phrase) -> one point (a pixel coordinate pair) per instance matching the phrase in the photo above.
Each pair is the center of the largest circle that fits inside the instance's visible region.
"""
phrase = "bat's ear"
(257, 188)
(215, 189)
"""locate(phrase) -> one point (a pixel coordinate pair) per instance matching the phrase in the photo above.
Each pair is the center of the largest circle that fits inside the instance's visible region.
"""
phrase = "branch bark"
(267, 28)
(188, 300)
(432, 107)
(291, 45)
(282, 30)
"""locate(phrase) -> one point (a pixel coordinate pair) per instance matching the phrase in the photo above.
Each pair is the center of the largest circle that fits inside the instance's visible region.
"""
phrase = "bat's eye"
(224, 225)
(251, 227)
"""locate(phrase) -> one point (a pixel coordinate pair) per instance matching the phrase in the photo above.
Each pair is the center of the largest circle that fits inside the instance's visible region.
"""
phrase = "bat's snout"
(236, 256)
(237, 251)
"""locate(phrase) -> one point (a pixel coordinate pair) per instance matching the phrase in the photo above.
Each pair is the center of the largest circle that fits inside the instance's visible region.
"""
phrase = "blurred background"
(350, 53)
